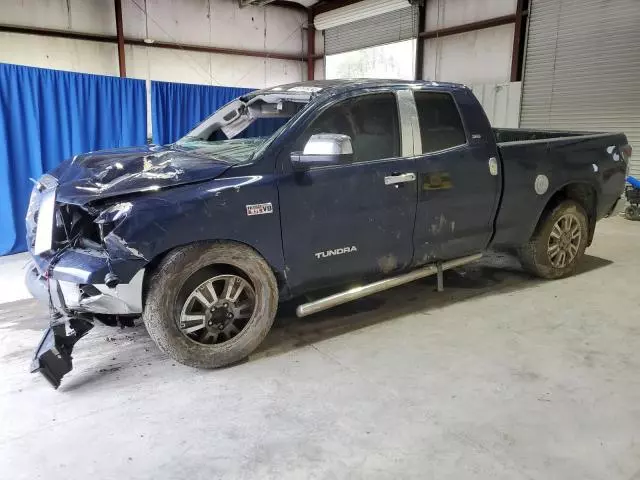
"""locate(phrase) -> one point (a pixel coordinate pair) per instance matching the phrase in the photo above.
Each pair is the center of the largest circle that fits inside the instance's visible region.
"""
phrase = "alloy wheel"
(217, 310)
(564, 240)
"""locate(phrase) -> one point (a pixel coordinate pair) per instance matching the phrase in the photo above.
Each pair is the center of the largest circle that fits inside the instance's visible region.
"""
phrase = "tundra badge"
(337, 251)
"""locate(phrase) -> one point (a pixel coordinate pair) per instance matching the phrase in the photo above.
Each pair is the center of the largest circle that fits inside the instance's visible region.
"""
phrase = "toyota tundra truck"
(298, 189)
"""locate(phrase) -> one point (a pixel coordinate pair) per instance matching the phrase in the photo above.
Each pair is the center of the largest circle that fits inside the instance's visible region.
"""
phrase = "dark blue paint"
(106, 174)
(211, 210)
(344, 206)
(180, 197)
(457, 220)
(564, 162)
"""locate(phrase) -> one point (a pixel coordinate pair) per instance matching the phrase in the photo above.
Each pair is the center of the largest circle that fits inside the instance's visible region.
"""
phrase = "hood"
(109, 173)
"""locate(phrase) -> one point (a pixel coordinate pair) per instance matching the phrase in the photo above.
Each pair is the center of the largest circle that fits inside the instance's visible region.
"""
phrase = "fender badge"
(259, 209)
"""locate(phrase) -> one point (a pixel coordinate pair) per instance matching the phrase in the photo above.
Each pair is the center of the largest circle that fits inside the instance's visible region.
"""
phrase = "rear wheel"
(558, 243)
(211, 305)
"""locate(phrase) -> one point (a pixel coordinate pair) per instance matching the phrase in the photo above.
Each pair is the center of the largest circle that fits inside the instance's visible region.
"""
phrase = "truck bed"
(537, 163)
(503, 135)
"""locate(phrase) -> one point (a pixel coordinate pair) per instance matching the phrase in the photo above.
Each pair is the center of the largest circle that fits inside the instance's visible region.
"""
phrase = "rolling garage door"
(386, 28)
(582, 68)
(366, 24)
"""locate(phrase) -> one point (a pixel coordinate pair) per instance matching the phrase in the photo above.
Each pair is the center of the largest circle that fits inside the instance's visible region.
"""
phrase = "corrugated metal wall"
(582, 67)
(501, 102)
(386, 28)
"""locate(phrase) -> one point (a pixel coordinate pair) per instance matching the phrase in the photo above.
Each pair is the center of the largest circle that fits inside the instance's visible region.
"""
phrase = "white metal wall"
(219, 23)
(449, 13)
(501, 102)
(582, 67)
(483, 56)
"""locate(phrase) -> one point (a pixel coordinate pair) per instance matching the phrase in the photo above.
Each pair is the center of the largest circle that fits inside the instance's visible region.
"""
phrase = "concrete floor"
(12, 272)
(501, 376)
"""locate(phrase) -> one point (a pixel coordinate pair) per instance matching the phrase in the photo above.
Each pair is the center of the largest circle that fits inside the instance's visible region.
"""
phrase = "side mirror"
(323, 149)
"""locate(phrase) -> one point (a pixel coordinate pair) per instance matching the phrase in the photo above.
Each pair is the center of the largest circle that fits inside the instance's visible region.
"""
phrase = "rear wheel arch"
(584, 194)
(559, 241)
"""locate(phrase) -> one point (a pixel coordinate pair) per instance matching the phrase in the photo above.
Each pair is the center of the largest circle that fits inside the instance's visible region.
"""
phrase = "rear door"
(351, 221)
(458, 181)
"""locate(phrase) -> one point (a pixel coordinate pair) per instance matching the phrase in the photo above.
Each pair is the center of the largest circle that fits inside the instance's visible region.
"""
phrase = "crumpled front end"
(94, 225)
(80, 264)
(82, 270)
(75, 296)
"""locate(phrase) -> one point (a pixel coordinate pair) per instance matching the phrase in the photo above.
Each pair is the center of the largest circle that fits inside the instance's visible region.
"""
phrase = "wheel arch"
(582, 193)
(154, 263)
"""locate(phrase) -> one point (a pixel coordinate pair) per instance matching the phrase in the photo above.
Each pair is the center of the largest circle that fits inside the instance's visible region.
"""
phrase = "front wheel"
(558, 243)
(210, 305)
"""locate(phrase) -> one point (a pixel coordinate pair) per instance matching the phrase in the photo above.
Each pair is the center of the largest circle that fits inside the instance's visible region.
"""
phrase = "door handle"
(401, 178)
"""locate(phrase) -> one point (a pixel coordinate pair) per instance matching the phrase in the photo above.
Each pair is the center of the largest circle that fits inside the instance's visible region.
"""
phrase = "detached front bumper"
(52, 357)
(76, 301)
(69, 291)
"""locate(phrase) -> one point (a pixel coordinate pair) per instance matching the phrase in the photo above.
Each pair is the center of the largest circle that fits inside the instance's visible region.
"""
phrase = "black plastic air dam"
(52, 357)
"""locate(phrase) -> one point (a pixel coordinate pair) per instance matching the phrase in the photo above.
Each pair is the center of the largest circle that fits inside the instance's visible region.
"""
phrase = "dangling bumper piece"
(52, 357)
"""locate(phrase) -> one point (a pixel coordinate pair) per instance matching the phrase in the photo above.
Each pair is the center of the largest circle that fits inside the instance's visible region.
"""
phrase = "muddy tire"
(186, 307)
(558, 243)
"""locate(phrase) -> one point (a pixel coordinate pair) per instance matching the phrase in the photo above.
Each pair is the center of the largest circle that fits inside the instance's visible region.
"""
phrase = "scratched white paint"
(437, 227)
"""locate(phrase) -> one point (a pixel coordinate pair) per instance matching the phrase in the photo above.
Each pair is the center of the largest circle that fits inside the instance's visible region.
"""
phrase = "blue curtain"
(178, 107)
(47, 116)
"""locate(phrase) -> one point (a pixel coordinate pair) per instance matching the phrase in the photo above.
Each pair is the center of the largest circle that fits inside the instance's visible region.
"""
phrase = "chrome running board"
(381, 285)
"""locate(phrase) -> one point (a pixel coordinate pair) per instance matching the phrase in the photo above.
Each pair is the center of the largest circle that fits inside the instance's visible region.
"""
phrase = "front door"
(344, 223)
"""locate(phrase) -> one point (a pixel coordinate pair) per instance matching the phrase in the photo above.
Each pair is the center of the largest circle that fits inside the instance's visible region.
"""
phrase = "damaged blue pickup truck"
(372, 183)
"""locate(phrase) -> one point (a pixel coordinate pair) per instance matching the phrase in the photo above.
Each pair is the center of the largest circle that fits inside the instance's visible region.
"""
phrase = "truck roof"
(333, 87)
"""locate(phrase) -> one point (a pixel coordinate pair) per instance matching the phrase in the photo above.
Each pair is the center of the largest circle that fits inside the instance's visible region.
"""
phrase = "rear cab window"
(440, 123)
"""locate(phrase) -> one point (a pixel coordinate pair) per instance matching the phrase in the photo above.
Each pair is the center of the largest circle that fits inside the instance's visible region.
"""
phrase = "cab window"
(440, 124)
(370, 120)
